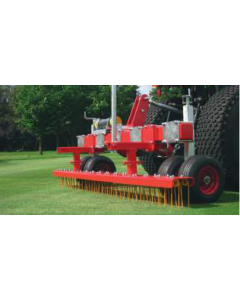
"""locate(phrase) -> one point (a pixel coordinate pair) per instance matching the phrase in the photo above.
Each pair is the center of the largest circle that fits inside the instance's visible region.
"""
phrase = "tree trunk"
(40, 145)
(57, 141)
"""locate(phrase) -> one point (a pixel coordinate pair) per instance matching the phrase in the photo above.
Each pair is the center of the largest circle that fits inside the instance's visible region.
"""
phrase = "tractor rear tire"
(208, 178)
(217, 132)
(151, 162)
(100, 164)
(171, 166)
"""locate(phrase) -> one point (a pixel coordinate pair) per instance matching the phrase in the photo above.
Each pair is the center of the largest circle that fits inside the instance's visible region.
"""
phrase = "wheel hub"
(207, 180)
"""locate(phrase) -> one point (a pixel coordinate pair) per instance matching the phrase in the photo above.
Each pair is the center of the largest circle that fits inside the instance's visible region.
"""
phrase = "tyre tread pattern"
(151, 162)
(211, 128)
(91, 163)
(171, 165)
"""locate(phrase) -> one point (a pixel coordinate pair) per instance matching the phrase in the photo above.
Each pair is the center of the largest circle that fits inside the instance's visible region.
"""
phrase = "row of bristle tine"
(126, 193)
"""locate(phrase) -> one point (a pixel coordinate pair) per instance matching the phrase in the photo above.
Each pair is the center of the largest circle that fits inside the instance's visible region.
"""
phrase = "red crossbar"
(140, 180)
(76, 151)
(80, 150)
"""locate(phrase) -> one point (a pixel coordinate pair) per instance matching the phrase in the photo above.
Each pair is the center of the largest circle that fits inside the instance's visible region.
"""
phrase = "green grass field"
(27, 187)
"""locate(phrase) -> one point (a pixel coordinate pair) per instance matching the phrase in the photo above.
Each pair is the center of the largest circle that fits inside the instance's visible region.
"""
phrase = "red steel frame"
(76, 151)
(123, 179)
(152, 137)
(139, 111)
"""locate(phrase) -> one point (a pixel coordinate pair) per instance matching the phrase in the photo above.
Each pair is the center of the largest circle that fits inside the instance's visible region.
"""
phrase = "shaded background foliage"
(48, 116)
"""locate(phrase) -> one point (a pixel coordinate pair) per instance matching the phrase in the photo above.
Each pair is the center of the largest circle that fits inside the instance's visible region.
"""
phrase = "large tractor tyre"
(84, 161)
(217, 132)
(157, 115)
(100, 164)
(151, 161)
(208, 178)
(171, 166)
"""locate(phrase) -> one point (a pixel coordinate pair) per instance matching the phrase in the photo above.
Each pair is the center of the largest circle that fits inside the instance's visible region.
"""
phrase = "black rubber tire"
(171, 166)
(192, 167)
(151, 162)
(158, 115)
(100, 164)
(217, 132)
(84, 161)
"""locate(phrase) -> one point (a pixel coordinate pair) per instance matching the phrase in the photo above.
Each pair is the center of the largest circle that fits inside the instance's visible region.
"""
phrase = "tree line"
(48, 116)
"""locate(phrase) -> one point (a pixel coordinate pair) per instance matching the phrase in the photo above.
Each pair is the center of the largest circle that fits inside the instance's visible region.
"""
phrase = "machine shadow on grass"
(227, 198)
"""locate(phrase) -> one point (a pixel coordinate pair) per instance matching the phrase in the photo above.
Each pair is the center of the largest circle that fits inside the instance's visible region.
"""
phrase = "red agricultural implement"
(178, 179)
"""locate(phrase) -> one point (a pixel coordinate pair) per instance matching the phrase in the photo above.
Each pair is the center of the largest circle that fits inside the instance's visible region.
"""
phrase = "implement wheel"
(171, 166)
(208, 178)
(84, 161)
(100, 164)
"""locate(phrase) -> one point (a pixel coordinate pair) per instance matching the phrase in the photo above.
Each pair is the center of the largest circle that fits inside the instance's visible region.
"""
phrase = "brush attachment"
(161, 190)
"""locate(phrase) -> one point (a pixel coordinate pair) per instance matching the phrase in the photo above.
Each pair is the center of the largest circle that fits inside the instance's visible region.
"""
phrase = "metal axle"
(166, 107)
(114, 113)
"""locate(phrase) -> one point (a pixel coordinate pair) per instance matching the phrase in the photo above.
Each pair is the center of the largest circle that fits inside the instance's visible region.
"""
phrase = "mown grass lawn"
(27, 187)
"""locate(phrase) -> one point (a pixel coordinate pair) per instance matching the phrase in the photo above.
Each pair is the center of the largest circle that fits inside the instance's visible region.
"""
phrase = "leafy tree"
(6, 113)
(59, 110)
(101, 103)
(167, 92)
(32, 112)
(56, 109)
